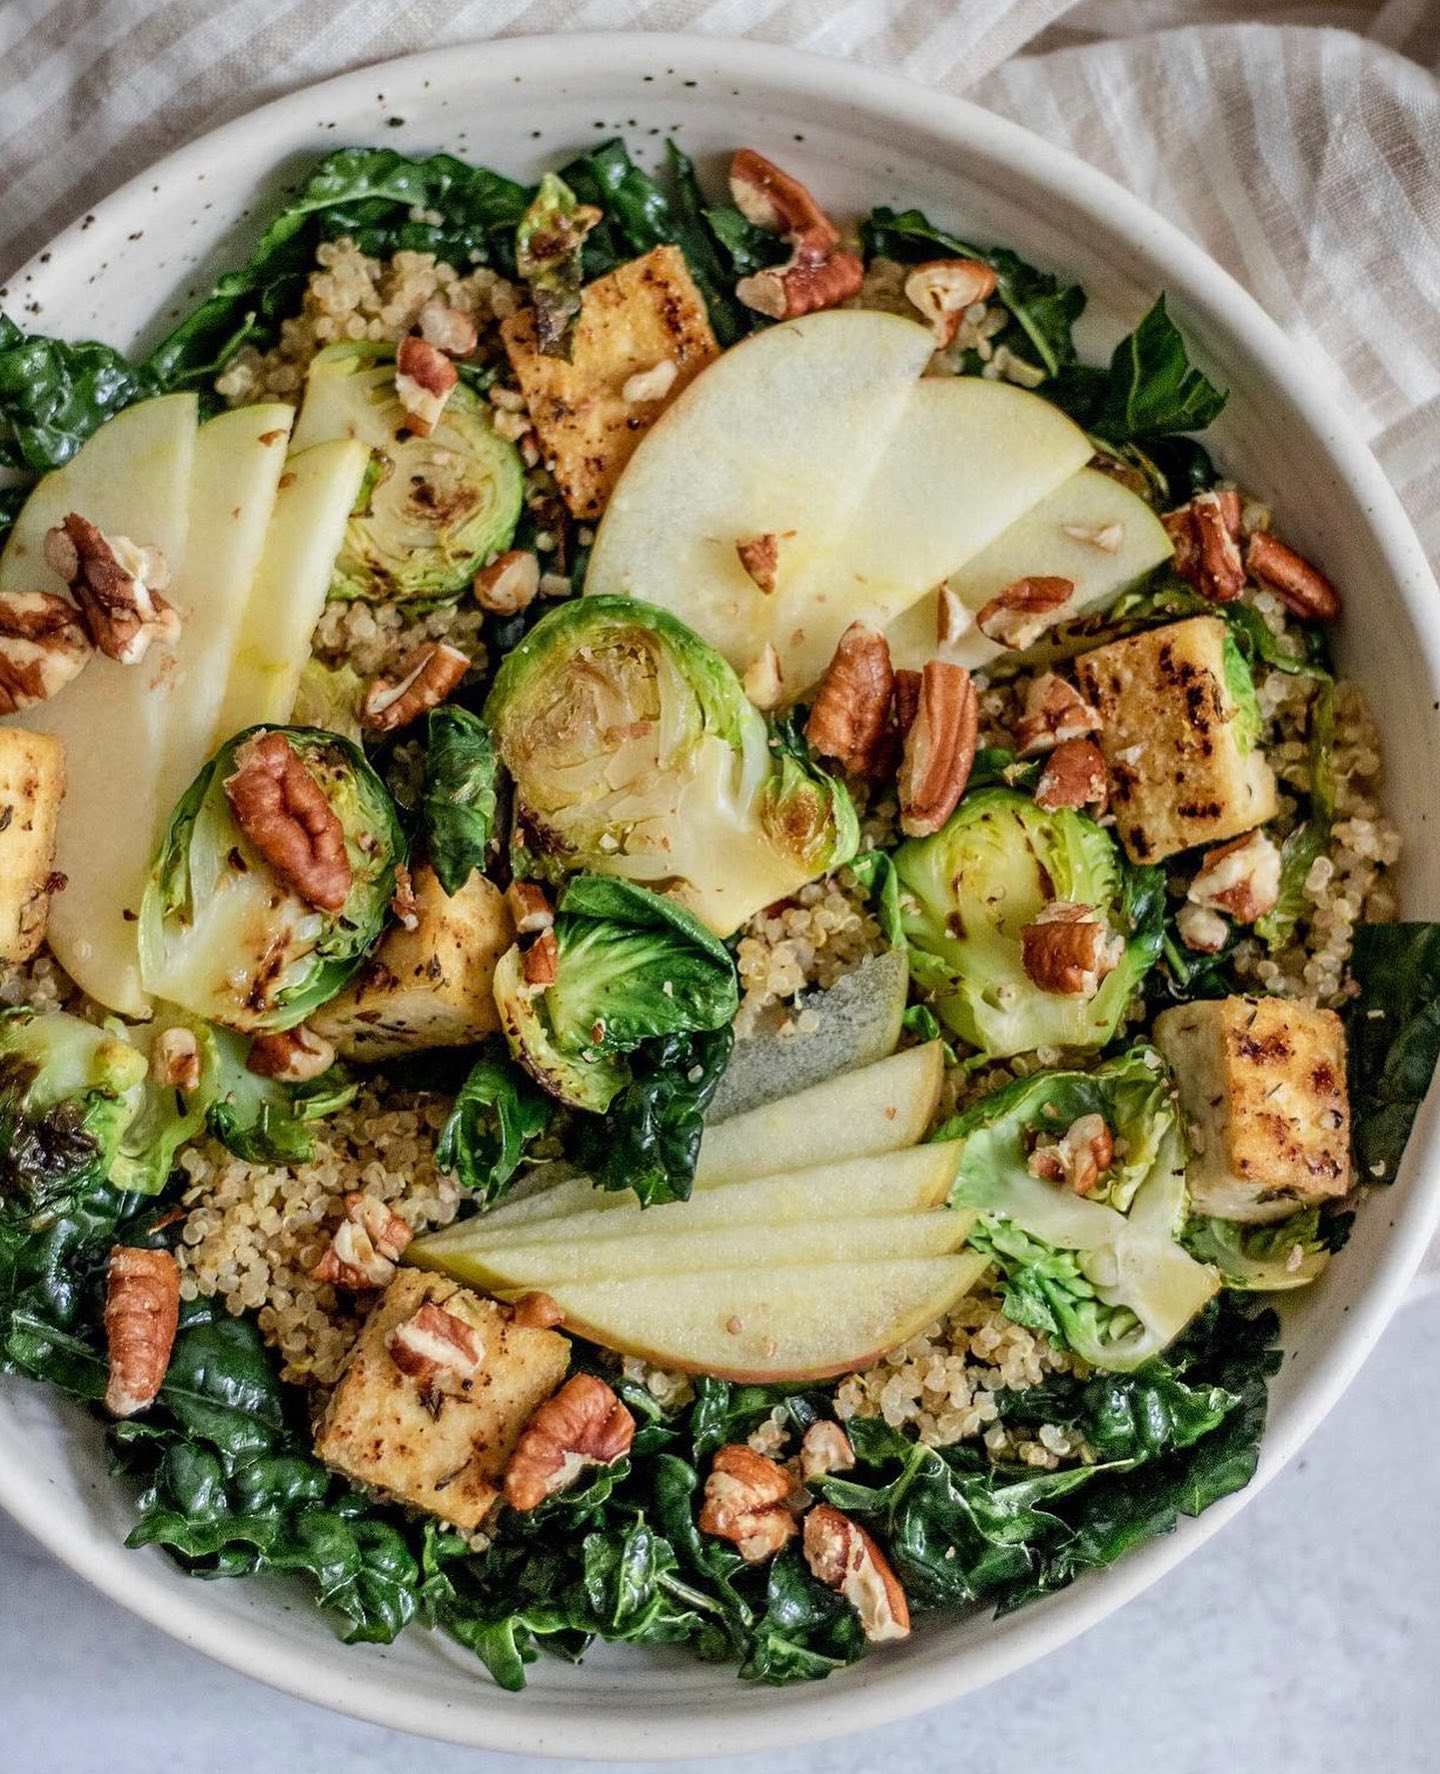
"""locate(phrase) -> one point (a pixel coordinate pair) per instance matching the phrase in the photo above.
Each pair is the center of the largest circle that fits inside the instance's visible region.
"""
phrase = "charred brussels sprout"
(636, 754)
(228, 935)
(969, 891)
(431, 509)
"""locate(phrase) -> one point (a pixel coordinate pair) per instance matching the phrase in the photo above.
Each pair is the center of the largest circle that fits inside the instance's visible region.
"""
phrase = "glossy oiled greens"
(636, 754)
(1104, 1274)
(457, 795)
(968, 892)
(223, 937)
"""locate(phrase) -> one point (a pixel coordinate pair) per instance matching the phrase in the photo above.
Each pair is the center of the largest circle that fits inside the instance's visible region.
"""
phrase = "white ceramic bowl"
(861, 138)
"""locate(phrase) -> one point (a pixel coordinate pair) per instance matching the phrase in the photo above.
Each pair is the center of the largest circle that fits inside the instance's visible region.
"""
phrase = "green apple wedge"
(871, 1188)
(316, 493)
(616, 1249)
(132, 478)
(1055, 539)
(767, 1322)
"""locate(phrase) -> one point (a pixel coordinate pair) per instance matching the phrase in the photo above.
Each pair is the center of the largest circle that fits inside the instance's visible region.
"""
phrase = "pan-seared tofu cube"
(1262, 1087)
(32, 786)
(592, 409)
(1177, 729)
(433, 986)
(445, 1453)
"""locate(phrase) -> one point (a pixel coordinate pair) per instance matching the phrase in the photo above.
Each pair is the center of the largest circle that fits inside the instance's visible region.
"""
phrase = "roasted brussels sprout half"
(1102, 1270)
(227, 936)
(636, 754)
(969, 891)
(431, 509)
(1271, 1258)
(628, 966)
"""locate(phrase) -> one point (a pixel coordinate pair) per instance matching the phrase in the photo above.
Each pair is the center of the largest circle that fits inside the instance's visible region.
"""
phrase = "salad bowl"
(127, 272)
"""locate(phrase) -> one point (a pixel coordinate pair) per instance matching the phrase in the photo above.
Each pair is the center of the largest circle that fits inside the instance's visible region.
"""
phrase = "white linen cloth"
(1299, 143)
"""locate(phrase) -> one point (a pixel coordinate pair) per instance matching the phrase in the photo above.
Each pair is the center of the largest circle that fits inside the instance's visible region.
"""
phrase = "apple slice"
(312, 506)
(872, 1187)
(132, 478)
(1057, 539)
(683, 1250)
(761, 1322)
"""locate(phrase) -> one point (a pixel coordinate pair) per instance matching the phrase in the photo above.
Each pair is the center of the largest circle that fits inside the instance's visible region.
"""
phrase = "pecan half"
(424, 379)
(427, 677)
(842, 1556)
(825, 1448)
(294, 1055)
(283, 811)
(942, 289)
(1241, 878)
(762, 680)
(1017, 616)
(447, 329)
(43, 645)
(850, 716)
(1054, 712)
(142, 1311)
(745, 1503)
(530, 908)
(1201, 929)
(1303, 589)
(939, 748)
(1068, 950)
(509, 584)
(117, 586)
(540, 961)
(583, 1425)
(175, 1059)
(1206, 535)
(365, 1247)
(819, 272)
(1081, 1156)
(437, 1350)
(760, 557)
(1075, 776)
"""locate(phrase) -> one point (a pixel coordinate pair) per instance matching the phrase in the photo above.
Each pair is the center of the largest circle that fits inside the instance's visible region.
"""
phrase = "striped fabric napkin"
(1299, 143)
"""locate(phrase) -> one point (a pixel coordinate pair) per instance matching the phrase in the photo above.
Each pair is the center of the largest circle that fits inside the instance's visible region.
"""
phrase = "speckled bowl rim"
(529, 1723)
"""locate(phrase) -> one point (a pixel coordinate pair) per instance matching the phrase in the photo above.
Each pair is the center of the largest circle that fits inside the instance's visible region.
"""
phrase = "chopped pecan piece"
(1075, 776)
(907, 700)
(583, 1425)
(43, 645)
(117, 586)
(509, 584)
(427, 677)
(819, 273)
(1069, 950)
(536, 1312)
(366, 1245)
(404, 906)
(842, 1556)
(437, 1350)
(1206, 535)
(530, 908)
(762, 679)
(850, 716)
(142, 1311)
(652, 384)
(540, 962)
(424, 379)
(175, 1059)
(760, 557)
(745, 1502)
(1081, 1156)
(447, 329)
(1054, 712)
(825, 1448)
(1304, 590)
(1201, 929)
(283, 811)
(952, 619)
(942, 289)
(1241, 878)
(939, 748)
(293, 1055)
(1020, 614)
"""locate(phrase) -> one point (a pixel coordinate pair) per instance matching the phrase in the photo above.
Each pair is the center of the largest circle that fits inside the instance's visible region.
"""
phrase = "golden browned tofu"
(1262, 1085)
(32, 786)
(429, 987)
(445, 1453)
(592, 410)
(1184, 768)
